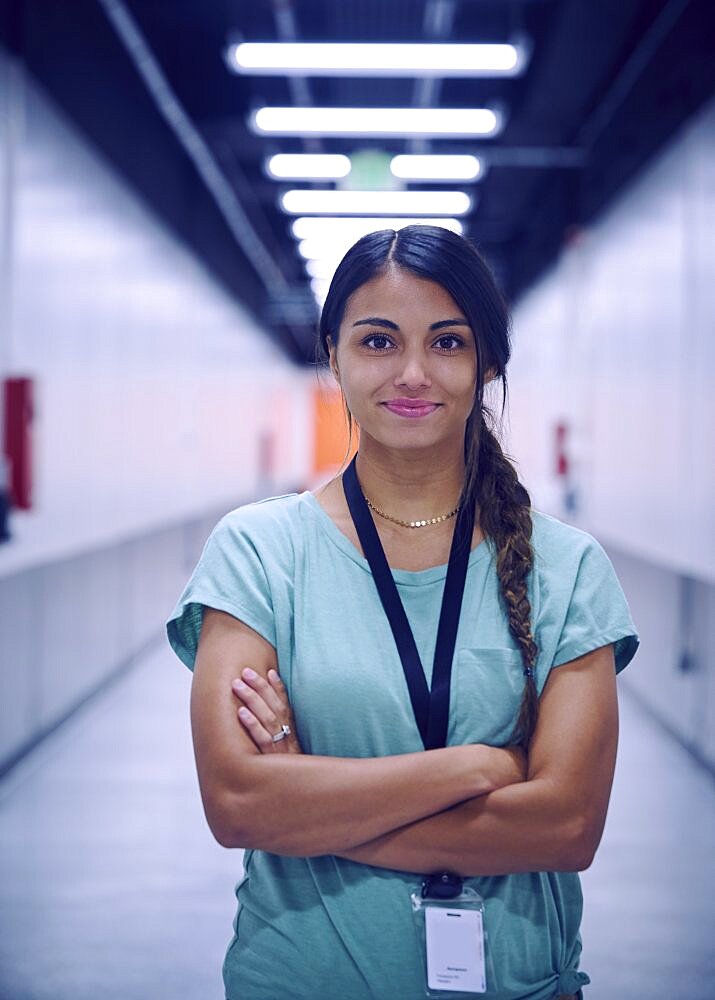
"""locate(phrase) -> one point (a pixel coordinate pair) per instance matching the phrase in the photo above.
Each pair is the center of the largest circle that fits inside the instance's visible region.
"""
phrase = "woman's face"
(406, 361)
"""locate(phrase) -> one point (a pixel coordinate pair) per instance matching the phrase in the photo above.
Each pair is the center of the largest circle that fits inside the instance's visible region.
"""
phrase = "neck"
(411, 484)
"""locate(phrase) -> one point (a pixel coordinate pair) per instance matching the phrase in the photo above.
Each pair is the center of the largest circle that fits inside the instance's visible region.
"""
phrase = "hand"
(490, 768)
(509, 765)
(266, 708)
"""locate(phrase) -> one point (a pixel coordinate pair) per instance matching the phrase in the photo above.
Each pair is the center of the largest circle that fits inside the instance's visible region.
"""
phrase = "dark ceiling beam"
(667, 74)
(437, 26)
(299, 89)
(546, 157)
(298, 86)
(188, 136)
(631, 71)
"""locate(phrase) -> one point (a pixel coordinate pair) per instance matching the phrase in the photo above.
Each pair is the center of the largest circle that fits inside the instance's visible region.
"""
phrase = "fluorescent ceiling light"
(320, 288)
(301, 201)
(383, 59)
(331, 227)
(332, 242)
(375, 121)
(308, 166)
(321, 268)
(323, 249)
(436, 167)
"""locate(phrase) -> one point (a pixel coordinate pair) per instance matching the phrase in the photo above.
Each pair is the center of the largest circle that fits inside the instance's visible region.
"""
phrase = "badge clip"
(442, 885)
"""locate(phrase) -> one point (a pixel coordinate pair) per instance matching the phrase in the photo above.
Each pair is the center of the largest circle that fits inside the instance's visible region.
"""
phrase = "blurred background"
(178, 181)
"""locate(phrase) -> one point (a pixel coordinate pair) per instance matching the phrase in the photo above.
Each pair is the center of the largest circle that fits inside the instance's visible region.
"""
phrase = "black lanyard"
(431, 706)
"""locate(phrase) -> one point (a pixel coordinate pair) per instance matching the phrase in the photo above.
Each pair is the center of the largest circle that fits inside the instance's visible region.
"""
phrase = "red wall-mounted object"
(18, 396)
(562, 462)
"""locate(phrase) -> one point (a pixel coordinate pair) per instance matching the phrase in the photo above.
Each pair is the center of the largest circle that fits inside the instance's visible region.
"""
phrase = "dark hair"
(503, 504)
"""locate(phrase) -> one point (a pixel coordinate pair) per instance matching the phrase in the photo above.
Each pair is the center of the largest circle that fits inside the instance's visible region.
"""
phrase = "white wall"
(154, 387)
(154, 390)
(619, 340)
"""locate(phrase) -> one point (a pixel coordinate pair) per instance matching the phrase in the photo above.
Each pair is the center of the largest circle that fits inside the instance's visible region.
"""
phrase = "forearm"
(309, 805)
(523, 827)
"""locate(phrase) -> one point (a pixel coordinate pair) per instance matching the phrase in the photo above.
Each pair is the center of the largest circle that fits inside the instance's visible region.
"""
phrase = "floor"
(111, 885)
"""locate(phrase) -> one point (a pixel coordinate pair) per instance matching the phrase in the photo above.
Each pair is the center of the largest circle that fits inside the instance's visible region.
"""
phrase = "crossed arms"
(470, 810)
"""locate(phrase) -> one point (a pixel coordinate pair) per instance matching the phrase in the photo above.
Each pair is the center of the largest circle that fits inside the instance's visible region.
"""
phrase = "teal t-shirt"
(325, 927)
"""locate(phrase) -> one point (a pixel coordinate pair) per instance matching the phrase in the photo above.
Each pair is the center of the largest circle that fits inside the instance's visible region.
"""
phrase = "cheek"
(360, 382)
(355, 391)
(459, 380)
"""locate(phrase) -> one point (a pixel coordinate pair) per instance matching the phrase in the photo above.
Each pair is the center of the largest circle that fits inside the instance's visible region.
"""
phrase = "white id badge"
(454, 940)
(455, 944)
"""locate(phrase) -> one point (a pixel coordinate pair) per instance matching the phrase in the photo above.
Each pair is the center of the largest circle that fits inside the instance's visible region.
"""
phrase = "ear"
(332, 358)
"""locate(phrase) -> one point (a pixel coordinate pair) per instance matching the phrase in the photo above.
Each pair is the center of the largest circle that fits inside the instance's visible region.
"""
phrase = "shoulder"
(564, 555)
(265, 529)
(556, 542)
(271, 514)
(572, 568)
(581, 604)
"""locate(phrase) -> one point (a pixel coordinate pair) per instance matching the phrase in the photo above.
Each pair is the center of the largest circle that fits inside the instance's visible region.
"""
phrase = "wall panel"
(618, 341)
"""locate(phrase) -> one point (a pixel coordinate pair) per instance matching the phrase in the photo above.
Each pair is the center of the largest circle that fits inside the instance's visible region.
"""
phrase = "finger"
(278, 686)
(271, 695)
(279, 689)
(257, 732)
(258, 707)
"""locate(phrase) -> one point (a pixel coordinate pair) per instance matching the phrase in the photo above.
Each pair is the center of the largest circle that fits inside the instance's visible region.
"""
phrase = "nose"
(413, 373)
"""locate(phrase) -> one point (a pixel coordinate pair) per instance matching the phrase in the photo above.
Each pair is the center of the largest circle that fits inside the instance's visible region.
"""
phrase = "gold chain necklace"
(412, 524)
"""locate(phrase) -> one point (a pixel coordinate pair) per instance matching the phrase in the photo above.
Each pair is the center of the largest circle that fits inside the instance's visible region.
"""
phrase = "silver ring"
(285, 731)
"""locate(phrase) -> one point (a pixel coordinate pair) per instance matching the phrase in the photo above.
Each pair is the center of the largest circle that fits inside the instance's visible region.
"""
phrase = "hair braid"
(504, 516)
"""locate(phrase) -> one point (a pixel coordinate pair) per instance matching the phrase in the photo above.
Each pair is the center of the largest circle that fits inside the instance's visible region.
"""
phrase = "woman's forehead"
(399, 292)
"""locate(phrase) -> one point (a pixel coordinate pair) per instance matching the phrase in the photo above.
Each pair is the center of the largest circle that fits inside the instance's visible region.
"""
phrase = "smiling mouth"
(411, 408)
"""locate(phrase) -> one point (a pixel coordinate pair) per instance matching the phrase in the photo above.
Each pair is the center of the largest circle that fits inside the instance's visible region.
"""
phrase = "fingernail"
(273, 675)
(244, 713)
(238, 686)
(249, 674)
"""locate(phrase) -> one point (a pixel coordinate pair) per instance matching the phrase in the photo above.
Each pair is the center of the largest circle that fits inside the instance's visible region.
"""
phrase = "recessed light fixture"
(436, 167)
(381, 59)
(308, 166)
(315, 227)
(374, 121)
(330, 202)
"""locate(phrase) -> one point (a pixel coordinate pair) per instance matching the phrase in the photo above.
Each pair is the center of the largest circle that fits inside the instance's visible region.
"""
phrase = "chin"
(410, 439)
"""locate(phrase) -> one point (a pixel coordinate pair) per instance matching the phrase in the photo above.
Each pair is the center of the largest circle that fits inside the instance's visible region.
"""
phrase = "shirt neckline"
(409, 577)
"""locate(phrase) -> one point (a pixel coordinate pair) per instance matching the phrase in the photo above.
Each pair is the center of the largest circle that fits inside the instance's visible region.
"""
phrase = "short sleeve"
(229, 576)
(597, 612)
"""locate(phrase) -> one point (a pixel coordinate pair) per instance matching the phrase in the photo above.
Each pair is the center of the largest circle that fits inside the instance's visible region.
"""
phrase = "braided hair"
(503, 503)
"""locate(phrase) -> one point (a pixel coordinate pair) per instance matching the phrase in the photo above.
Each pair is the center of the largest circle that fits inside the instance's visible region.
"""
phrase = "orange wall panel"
(331, 430)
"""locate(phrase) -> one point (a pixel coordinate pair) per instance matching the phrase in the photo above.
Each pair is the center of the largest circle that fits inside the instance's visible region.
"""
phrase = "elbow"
(576, 859)
(223, 818)
(579, 847)
(225, 838)
(236, 821)
(228, 837)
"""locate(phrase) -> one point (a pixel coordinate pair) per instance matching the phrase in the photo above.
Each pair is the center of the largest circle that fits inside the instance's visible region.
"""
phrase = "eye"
(450, 343)
(381, 342)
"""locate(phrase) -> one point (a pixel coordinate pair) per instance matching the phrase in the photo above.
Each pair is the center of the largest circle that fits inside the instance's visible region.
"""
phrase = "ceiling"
(606, 84)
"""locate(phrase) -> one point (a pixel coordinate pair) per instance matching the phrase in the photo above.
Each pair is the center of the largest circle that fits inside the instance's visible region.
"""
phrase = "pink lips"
(411, 407)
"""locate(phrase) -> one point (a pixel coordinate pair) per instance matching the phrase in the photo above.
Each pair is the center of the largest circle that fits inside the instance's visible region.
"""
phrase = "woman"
(346, 779)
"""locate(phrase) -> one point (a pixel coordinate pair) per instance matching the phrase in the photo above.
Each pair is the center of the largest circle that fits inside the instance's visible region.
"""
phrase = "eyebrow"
(378, 321)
